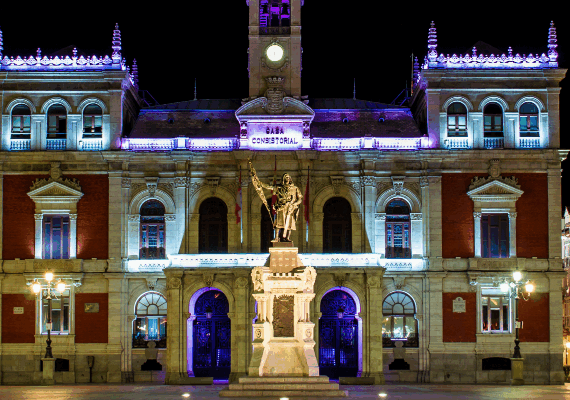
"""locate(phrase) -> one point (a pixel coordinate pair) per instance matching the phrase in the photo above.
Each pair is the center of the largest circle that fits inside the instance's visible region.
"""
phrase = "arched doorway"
(211, 351)
(213, 226)
(337, 226)
(338, 335)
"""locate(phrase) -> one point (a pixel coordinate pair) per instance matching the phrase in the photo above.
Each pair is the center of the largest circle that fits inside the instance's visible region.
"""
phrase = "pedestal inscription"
(283, 325)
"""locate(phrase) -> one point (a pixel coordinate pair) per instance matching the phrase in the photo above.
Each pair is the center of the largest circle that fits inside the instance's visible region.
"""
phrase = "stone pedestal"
(283, 362)
(48, 371)
(517, 371)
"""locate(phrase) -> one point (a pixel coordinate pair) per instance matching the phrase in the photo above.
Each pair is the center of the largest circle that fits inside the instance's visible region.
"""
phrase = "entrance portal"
(211, 352)
(338, 335)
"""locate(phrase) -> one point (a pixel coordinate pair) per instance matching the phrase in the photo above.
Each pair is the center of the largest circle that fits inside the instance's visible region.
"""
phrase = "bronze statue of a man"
(289, 198)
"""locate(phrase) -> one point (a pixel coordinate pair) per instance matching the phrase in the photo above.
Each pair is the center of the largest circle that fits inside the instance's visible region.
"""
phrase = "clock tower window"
(274, 14)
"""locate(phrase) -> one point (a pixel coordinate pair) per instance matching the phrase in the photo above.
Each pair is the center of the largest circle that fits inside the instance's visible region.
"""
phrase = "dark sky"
(371, 41)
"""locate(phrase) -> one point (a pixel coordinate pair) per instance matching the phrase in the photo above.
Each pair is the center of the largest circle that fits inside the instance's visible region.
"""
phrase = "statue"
(289, 198)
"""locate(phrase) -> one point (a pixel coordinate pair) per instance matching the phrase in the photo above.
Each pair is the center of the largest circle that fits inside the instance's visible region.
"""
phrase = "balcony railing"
(91, 144)
(274, 30)
(56, 144)
(494, 143)
(457, 143)
(529, 143)
(20, 144)
(141, 341)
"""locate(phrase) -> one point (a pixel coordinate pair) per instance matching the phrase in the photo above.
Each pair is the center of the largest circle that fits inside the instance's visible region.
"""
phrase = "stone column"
(316, 232)
(435, 299)
(255, 232)
(233, 234)
(509, 126)
(38, 132)
(74, 131)
(478, 137)
(556, 340)
(170, 225)
(72, 235)
(244, 245)
(416, 234)
(118, 301)
(424, 185)
(512, 235)
(435, 222)
(369, 210)
(180, 196)
(554, 207)
(372, 327)
(193, 231)
(175, 363)
(115, 120)
(433, 110)
(552, 133)
(115, 221)
(126, 195)
(477, 233)
(380, 247)
(241, 328)
(39, 218)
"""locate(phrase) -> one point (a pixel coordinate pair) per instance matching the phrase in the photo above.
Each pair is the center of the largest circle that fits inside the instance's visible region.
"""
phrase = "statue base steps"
(290, 386)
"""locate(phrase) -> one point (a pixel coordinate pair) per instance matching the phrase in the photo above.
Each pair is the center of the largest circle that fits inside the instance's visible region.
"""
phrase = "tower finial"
(432, 43)
(195, 92)
(135, 73)
(354, 90)
(1, 44)
(552, 53)
(116, 45)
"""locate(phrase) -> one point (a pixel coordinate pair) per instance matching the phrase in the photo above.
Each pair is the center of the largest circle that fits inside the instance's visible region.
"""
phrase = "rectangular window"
(457, 125)
(92, 124)
(495, 235)
(59, 313)
(529, 126)
(495, 311)
(493, 125)
(21, 124)
(57, 124)
(398, 240)
(56, 237)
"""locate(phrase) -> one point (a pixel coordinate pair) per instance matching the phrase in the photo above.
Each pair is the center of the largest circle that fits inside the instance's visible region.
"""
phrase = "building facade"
(412, 216)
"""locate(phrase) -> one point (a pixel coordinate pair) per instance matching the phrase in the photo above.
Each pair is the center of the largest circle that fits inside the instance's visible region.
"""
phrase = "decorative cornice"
(56, 176)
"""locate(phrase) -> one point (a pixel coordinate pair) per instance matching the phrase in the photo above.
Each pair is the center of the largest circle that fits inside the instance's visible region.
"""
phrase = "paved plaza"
(159, 392)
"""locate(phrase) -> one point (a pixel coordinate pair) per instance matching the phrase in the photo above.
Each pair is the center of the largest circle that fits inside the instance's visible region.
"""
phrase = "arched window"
(456, 120)
(92, 121)
(528, 117)
(266, 227)
(493, 120)
(57, 122)
(150, 322)
(153, 239)
(398, 232)
(337, 226)
(21, 122)
(400, 321)
(213, 226)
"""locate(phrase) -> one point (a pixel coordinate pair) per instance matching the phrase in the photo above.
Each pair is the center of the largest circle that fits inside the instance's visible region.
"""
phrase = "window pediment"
(494, 189)
(55, 193)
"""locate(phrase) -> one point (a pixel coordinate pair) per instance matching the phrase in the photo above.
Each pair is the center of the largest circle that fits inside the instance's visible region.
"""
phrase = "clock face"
(274, 52)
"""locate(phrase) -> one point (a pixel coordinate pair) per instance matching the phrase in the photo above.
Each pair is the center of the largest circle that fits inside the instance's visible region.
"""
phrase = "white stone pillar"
(39, 219)
(115, 221)
(6, 132)
(512, 234)
(477, 233)
(170, 226)
(556, 339)
(117, 288)
(554, 207)
(38, 132)
(380, 220)
(478, 136)
(74, 131)
(126, 196)
(509, 126)
(316, 232)
(180, 190)
(416, 234)
(356, 232)
(72, 235)
(133, 236)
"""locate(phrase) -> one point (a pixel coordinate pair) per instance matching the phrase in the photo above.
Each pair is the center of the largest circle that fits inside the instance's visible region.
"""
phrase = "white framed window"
(60, 313)
(495, 310)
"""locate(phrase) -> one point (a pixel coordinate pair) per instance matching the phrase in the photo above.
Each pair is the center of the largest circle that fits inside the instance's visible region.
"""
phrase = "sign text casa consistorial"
(275, 137)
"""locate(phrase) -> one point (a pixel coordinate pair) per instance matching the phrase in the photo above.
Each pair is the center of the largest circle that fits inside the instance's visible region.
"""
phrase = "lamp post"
(514, 289)
(49, 290)
(567, 350)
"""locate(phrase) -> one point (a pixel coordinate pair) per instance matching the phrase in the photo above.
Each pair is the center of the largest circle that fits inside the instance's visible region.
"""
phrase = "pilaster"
(118, 302)
(554, 207)
(241, 328)
(372, 323)
(175, 342)
(369, 209)
(115, 215)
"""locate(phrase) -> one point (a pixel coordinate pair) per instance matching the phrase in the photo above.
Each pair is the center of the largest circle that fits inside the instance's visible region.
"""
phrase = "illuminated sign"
(275, 136)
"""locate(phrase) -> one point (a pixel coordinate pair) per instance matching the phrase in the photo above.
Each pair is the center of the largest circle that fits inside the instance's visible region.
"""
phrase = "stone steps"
(305, 387)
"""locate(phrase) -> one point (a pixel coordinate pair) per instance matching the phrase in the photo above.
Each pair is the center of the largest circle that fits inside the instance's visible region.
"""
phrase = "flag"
(274, 192)
(238, 200)
(306, 201)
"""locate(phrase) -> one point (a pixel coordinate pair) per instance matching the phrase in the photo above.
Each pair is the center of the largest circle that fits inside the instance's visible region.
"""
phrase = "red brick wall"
(459, 327)
(91, 327)
(532, 216)
(18, 328)
(457, 228)
(457, 216)
(535, 315)
(92, 219)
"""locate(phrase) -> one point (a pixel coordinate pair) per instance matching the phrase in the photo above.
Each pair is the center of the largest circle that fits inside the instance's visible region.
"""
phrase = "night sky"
(368, 40)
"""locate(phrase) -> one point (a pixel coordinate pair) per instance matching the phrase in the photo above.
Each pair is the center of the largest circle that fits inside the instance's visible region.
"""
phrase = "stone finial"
(135, 73)
(510, 51)
(39, 53)
(116, 45)
(432, 43)
(474, 52)
(1, 43)
(416, 75)
(552, 53)
(75, 52)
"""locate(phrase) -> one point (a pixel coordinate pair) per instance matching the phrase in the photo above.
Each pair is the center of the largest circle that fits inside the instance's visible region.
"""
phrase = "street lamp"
(567, 350)
(50, 289)
(515, 290)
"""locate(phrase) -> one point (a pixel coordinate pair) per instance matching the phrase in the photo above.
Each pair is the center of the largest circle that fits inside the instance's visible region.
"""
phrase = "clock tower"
(274, 46)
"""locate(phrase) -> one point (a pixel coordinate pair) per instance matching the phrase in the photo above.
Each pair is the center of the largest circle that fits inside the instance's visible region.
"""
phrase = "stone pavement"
(160, 392)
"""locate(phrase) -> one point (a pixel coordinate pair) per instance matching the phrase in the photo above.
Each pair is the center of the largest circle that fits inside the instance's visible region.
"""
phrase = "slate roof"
(216, 118)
